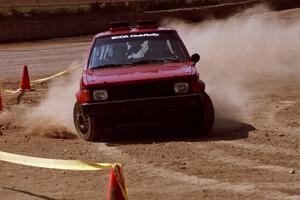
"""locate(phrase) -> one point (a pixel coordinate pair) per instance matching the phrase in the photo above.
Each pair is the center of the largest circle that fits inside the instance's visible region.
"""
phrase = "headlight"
(100, 95)
(181, 88)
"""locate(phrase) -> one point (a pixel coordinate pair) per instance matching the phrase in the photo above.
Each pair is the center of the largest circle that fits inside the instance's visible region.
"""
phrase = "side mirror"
(195, 58)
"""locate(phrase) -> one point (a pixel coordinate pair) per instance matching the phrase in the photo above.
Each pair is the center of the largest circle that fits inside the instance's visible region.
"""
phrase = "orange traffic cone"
(1, 107)
(25, 83)
(117, 188)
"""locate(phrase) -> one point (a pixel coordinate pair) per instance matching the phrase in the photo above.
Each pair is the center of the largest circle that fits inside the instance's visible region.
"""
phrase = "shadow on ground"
(224, 129)
(30, 193)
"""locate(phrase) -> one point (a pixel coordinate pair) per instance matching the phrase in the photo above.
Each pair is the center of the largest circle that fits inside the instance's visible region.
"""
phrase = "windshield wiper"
(154, 61)
(171, 60)
(110, 65)
(140, 62)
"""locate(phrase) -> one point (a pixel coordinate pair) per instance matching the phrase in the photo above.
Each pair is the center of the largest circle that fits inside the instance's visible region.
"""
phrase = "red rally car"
(140, 74)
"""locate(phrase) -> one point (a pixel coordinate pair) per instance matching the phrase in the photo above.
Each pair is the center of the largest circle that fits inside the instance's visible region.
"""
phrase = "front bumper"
(145, 109)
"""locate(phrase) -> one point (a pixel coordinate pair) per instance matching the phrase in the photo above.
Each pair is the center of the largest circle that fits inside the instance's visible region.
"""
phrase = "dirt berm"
(33, 26)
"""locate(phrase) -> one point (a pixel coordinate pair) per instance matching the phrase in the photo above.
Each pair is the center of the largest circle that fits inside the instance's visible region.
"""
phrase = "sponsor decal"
(141, 35)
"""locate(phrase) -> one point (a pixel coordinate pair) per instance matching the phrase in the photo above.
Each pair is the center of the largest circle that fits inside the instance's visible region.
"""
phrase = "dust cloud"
(240, 54)
(52, 117)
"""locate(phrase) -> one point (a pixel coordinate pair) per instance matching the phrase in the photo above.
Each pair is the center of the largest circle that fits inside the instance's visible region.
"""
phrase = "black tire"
(201, 123)
(85, 125)
(208, 115)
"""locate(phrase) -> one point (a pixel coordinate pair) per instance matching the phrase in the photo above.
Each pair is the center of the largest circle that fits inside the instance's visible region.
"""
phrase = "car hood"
(140, 73)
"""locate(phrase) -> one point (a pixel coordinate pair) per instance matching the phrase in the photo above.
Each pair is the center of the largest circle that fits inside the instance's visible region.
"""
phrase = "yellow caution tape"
(55, 75)
(11, 91)
(41, 80)
(3, 90)
(66, 165)
(53, 163)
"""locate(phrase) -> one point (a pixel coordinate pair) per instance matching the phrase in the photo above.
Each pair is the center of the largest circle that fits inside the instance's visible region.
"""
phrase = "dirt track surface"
(257, 158)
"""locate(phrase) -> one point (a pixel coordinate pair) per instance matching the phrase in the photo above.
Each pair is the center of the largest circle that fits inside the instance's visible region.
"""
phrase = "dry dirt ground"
(257, 158)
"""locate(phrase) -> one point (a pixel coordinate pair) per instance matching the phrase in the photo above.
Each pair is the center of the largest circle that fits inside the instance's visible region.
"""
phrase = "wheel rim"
(83, 123)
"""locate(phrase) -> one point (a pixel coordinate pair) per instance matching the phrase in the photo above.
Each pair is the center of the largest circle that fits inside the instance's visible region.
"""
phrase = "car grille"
(141, 90)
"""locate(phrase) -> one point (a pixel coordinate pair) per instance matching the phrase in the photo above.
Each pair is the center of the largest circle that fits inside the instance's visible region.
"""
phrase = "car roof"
(132, 30)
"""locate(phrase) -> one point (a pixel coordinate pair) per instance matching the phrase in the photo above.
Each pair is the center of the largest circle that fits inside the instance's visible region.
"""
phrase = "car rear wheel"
(85, 125)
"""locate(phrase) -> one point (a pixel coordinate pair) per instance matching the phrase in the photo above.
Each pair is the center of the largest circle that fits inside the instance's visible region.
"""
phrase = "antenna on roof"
(118, 26)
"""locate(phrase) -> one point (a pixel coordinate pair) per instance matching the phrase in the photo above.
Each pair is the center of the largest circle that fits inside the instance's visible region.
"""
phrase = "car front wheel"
(208, 115)
(201, 122)
(85, 125)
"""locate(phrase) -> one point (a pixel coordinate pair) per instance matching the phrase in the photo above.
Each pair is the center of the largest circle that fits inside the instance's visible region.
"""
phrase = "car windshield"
(139, 48)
